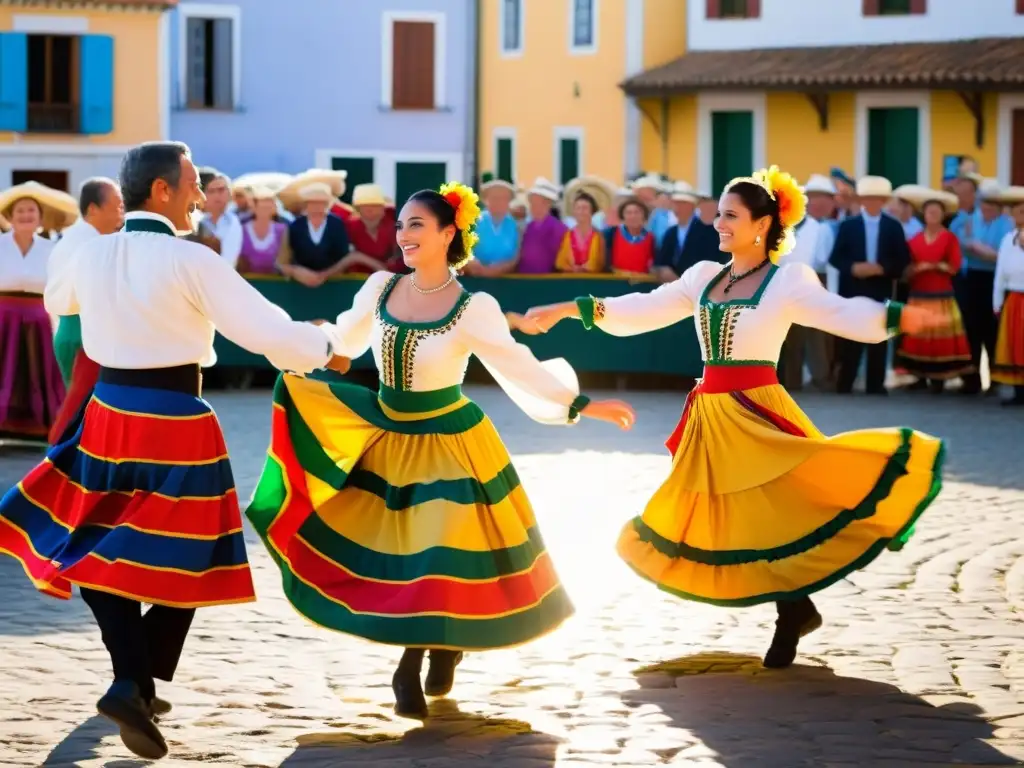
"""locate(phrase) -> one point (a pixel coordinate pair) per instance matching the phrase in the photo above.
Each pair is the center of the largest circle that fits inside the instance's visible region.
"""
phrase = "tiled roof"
(154, 4)
(958, 65)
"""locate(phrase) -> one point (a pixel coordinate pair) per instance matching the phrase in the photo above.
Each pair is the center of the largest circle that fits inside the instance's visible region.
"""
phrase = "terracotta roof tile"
(961, 64)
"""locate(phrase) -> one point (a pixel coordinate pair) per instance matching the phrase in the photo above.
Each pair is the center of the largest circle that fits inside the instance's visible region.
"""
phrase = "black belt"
(186, 379)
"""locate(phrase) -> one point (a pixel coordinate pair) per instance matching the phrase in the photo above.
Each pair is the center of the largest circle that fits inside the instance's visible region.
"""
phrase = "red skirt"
(941, 353)
(84, 376)
(31, 387)
(1008, 367)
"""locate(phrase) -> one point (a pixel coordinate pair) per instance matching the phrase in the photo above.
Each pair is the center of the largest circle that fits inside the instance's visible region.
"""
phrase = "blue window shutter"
(96, 53)
(13, 82)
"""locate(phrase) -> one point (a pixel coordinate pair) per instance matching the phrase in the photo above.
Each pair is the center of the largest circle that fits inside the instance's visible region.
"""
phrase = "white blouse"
(151, 300)
(1009, 270)
(747, 330)
(23, 274)
(421, 357)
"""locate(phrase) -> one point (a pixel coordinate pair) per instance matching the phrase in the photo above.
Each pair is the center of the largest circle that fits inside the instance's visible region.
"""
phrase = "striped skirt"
(399, 518)
(31, 387)
(1008, 367)
(137, 500)
(941, 353)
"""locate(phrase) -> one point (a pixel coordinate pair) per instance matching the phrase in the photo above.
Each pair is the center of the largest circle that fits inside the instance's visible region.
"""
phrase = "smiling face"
(933, 213)
(26, 216)
(423, 241)
(583, 211)
(217, 196)
(264, 208)
(634, 217)
(179, 202)
(539, 206)
(737, 230)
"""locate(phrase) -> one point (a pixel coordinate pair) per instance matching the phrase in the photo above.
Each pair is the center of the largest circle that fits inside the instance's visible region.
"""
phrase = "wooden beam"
(819, 100)
(975, 103)
(664, 136)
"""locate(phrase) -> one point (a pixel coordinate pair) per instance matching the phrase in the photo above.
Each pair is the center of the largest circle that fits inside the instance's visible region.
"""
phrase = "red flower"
(454, 200)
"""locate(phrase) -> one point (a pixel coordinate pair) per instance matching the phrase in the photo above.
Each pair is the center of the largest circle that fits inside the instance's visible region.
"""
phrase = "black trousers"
(141, 646)
(850, 353)
(974, 295)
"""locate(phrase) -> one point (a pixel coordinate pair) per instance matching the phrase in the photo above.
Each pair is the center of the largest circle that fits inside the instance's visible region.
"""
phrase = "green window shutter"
(732, 147)
(893, 144)
(359, 169)
(412, 177)
(503, 150)
(568, 160)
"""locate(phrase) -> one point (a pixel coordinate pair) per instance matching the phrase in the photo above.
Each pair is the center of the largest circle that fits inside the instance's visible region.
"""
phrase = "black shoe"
(409, 699)
(795, 621)
(123, 705)
(1015, 401)
(441, 672)
(159, 707)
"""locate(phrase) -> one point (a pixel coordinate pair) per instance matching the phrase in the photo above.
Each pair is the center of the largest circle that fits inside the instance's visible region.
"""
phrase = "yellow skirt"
(399, 517)
(760, 506)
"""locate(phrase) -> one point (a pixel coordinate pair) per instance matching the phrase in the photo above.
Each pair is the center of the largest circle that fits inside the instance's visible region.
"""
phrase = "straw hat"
(602, 191)
(544, 188)
(316, 192)
(271, 180)
(874, 186)
(1013, 196)
(59, 208)
(991, 191)
(261, 192)
(368, 194)
(290, 194)
(490, 184)
(683, 193)
(650, 181)
(917, 195)
(819, 184)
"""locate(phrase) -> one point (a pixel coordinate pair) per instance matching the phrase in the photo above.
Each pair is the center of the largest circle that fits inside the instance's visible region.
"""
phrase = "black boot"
(409, 699)
(123, 704)
(797, 618)
(441, 672)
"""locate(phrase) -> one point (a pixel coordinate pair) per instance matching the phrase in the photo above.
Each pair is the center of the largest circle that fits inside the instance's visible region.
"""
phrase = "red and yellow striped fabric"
(1008, 367)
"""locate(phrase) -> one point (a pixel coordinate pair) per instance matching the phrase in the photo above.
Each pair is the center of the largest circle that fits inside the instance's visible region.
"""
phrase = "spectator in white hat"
(689, 241)
(319, 239)
(545, 232)
(646, 189)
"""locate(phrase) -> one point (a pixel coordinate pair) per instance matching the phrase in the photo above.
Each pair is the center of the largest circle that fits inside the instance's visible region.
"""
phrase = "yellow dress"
(397, 515)
(760, 506)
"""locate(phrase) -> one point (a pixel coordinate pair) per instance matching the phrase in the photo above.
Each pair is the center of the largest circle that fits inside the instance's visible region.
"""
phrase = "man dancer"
(138, 504)
(102, 214)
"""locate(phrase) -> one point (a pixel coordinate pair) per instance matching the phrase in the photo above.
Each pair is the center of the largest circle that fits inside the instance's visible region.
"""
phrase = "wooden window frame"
(439, 20)
(209, 12)
(74, 104)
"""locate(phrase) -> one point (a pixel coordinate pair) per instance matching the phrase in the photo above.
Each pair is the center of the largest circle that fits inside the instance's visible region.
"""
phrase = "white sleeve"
(351, 331)
(244, 316)
(486, 334)
(59, 294)
(999, 282)
(636, 313)
(231, 245)
(858, 319)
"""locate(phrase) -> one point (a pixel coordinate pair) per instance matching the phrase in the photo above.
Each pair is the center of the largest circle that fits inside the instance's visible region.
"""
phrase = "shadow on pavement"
(24, 611)
(748, 716)
(80, 745)
(450, 738)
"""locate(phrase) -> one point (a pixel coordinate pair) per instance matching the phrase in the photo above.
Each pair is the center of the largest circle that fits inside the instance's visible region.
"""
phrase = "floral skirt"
(941, 353)
(399, 517)
(760, 506)
(31, 387)
(1008, 367)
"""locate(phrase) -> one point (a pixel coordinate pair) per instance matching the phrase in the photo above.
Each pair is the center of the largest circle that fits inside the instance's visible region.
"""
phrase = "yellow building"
(550, 70)
(810, 86)
(79, 83)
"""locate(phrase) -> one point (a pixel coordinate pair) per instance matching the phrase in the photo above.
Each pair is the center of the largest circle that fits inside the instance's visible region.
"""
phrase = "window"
(511, 26)
(53, 84)
(584, 24)
(893, 144)
(568, 154)
(1020, 6)
(210, 60)
(895, 7)
(413, 65)
(52, 179)
(733, 9)
(505, 156)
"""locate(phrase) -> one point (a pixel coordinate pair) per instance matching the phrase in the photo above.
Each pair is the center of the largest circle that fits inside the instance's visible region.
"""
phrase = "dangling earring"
(757, 240)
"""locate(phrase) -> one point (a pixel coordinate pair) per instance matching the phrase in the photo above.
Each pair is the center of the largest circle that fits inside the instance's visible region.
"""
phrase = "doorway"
(52, 179)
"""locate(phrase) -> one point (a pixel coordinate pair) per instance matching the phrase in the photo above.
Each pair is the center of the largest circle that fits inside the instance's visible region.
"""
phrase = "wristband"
(581, 402)
(893, 315)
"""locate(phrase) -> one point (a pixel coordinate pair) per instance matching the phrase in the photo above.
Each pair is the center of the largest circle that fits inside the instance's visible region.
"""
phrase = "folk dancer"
(136, 503)
(1008, 302)
(102, 210)
(870, 253)
(745, 517)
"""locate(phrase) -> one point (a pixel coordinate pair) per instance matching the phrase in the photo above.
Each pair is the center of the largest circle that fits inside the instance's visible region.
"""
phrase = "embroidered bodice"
(747, 331)
(423, 357)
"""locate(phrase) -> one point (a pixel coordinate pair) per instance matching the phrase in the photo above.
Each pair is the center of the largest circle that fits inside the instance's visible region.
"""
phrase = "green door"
(732, 147)
(568, 160)
(505, 170)
(360, 171)
(892, 144)
(412, 177)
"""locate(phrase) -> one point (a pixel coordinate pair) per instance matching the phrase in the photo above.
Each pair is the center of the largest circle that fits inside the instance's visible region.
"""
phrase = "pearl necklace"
(425, 291)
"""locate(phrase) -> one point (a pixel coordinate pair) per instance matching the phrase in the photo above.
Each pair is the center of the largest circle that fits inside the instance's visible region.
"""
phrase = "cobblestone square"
(920, 660)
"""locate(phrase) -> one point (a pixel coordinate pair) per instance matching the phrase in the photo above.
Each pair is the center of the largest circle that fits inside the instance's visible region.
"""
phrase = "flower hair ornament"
(784, 190)
(467, 210)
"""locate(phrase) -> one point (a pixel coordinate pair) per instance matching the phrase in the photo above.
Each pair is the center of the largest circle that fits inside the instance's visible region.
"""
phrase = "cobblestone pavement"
(920, 661)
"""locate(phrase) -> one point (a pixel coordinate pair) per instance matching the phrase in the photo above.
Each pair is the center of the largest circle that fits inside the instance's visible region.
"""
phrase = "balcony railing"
(53, 118)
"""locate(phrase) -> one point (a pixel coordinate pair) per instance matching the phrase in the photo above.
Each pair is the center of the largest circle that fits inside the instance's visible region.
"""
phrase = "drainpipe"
(474, 93)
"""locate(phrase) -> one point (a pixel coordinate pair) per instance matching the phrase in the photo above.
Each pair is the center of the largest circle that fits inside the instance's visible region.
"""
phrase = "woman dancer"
(1008, 301)
(760, 506)
(397, 515)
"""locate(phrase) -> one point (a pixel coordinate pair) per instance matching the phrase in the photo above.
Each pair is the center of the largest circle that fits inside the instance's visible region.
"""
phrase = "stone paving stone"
(919, 661)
